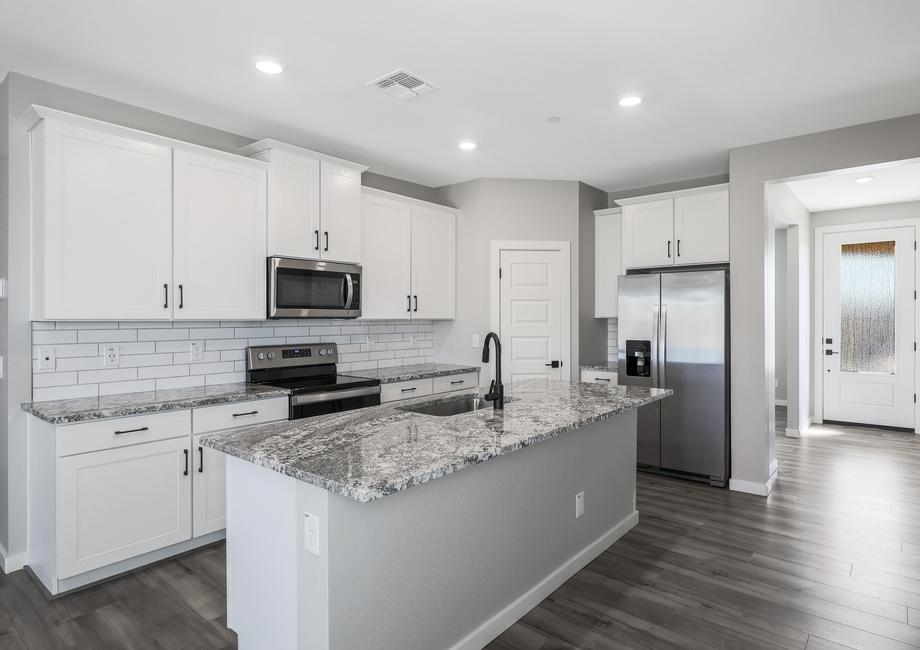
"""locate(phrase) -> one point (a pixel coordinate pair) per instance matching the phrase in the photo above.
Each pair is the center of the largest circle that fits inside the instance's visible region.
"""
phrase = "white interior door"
(868, 285)
(532, 313)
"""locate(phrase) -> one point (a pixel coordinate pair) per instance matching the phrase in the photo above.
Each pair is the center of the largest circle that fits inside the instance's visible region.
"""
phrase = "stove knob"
(271, 355)
(322, 353)
(330, 351)
(261, 356)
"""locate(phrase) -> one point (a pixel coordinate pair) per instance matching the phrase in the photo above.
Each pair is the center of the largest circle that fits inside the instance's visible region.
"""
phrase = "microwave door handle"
(349, 290)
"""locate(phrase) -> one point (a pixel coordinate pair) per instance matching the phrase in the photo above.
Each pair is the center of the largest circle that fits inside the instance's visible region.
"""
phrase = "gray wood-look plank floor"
(830, 560)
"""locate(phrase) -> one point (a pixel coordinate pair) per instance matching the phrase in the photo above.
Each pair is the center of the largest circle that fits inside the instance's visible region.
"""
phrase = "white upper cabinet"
(648, 234)
(314, 202)
(701, 228)
(409, 258)
(434, 263)
(220, 206)
(676, 228)
(608, 261)
(101, 224)
(386, 271)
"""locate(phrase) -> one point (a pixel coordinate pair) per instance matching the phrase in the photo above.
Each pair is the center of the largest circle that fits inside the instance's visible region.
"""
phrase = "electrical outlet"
(370, 339)
(476, 341)
(110, 356)
(46, 358)
(579, 504)
(195, 353)
(311, 533)
(2, 288)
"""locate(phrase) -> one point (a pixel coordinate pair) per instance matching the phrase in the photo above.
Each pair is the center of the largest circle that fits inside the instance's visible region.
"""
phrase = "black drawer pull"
(118, 433)
(459, 381)
(201, 460)
(185, 471)
(239, 415)
(600, 379)
(409, 390)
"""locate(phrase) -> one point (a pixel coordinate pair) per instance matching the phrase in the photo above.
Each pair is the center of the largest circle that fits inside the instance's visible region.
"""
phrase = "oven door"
(313, 289)
(310, 404)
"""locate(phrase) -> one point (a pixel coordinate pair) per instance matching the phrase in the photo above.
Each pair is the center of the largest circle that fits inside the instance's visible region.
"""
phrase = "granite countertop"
(69, 411)
(408, 373)
(606, 366)
(370, 453)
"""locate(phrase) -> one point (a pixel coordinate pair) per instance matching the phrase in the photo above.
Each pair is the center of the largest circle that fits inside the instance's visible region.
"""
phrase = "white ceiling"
(891, 183)
(715, 73)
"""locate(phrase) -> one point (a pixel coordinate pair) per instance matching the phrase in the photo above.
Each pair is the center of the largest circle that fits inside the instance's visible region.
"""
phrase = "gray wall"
(867, 214)
(666, 187)
(780, 315)
(751, 255)
(405, 188)
(502, 209)
(592, 332)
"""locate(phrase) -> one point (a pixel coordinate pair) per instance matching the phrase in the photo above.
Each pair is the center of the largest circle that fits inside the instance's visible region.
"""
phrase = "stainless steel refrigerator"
(672, 332)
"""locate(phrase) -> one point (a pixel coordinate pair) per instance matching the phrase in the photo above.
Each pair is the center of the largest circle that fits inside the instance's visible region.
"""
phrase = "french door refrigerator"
(672, 333)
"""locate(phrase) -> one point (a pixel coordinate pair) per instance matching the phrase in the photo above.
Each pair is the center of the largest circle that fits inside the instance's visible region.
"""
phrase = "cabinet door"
(220, 214)
(103, 225)
(340, 200)
(209, 489)
(701, 228)
(648, 234)
(386, 263)
(433, 263)
(119, 503)
(608, 263)
(293, 212)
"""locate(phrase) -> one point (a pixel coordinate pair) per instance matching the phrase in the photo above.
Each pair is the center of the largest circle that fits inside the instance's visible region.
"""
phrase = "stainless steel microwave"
(300, 288)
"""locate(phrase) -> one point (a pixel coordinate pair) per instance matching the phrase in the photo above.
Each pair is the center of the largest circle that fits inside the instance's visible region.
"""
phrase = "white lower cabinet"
(398, 390)
(598, 376)
(209, 489)
(122, 502)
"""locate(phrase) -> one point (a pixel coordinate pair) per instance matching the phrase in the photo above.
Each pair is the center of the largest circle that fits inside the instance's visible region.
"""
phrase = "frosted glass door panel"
(867, 307)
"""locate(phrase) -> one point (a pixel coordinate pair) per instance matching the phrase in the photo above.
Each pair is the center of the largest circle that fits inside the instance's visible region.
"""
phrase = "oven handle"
(349, 290)
(334, 395)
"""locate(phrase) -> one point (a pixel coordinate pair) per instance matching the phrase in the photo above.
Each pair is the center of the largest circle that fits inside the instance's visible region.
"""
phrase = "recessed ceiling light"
(269, 66)
(552, 119)
(864, 179)
(630, 100)
(467, 145)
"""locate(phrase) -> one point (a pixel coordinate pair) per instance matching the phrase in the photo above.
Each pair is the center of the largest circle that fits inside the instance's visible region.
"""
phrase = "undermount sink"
(450, 407)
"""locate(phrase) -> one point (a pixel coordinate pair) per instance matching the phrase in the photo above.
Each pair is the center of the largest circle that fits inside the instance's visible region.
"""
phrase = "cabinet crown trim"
(373, 191)
(606, 212)
(266, 144)
(708, 189)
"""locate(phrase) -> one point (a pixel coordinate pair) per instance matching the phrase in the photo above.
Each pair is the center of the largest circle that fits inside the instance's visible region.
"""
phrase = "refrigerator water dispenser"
(639, 358)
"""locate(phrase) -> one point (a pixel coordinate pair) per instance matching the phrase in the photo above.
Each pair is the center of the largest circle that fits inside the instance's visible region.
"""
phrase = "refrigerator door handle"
(655, 325)
(663, 353)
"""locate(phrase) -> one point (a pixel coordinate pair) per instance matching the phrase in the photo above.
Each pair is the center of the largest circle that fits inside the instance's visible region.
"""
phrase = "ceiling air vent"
(403, 84)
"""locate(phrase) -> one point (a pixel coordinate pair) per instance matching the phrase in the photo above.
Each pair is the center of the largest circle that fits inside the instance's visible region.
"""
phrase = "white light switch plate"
(475, 340)
(194, 351)
(579, 504)
(311, 533)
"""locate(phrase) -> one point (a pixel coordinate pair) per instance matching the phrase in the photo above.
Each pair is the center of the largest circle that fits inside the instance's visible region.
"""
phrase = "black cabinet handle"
(118, 433)
(408, 303)
(181, 296)
(239, 415)
(669, 249)
(409, 390)
(459, 381)
(678, 248)
(600, 379)
(326, 238)
(316, 240)
(165, 296)
(185, 472)
(201, 460)
(416, 303)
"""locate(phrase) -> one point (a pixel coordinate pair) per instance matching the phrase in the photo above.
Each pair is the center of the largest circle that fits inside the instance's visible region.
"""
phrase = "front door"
(532, 314)
(868, 344)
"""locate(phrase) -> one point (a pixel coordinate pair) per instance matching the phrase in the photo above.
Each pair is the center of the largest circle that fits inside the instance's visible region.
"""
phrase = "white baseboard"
(793, 433)
(774, 466)
(751, 487)
(10, 563)
(488, 631)
(781, 402)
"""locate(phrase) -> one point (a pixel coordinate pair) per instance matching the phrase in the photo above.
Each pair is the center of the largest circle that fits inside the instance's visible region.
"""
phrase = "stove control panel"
(285, 356)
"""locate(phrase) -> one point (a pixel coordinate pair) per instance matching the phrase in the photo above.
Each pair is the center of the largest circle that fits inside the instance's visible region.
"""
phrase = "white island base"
(450, 563)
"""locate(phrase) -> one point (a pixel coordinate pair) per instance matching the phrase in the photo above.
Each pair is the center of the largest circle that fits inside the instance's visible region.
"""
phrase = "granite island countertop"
(370, 453)
(70, 411)
(412, 372)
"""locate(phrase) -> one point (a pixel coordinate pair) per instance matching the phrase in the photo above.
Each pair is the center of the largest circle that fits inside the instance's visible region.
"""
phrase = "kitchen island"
(386, 528)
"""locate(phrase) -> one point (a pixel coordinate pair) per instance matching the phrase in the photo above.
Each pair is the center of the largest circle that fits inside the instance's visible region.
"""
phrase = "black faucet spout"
(496, 393)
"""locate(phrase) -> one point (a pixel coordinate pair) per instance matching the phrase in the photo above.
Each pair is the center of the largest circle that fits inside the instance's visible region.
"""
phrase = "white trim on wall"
(565, 248)
(818, 309)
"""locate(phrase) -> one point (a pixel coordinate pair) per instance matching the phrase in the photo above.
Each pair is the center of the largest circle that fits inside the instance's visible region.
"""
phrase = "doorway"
(531, 309)
(867, 280)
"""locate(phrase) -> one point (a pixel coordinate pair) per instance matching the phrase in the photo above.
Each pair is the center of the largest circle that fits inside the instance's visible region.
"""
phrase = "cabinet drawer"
(456, 382)
(405, 390)
(120, 432)
(239, 414)
(599, 376)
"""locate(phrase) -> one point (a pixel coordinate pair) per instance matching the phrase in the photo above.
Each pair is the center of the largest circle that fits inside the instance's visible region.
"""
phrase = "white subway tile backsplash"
(155, 354)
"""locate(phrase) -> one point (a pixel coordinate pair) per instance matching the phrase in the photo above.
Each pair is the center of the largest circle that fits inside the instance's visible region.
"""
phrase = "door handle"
(181, 297)
(185, 471)
(326, 238)
(669, 249)
(316, 240)
(165, 296)
(349, 290)
(678, 248)
(409, 303)
(553, 364)
(201, 460)
(654, 347)
(416, 303)
(663, 370)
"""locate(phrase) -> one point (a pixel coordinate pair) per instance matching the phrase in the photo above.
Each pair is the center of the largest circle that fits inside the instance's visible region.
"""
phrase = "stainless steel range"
(309, 372)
